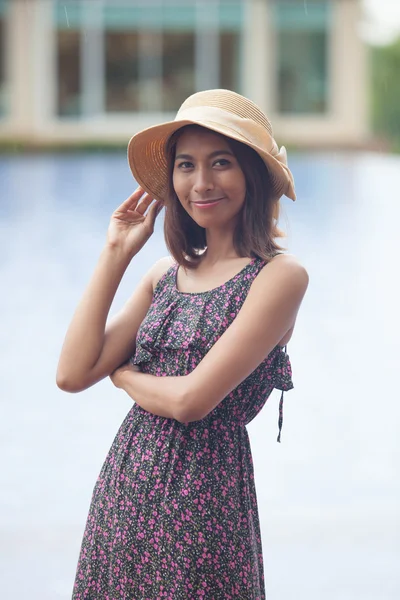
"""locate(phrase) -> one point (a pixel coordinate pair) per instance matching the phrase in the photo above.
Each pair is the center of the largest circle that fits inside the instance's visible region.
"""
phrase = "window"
(302, 36)
(230, 60)
(122, 82)
(68, 72)
(147, 70)
(68, 59)
(124, 56)
(177, 69)
(149, 54)
(231, 18)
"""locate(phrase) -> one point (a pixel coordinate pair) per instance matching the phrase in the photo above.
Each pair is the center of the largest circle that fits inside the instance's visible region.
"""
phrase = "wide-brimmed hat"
(224, 112)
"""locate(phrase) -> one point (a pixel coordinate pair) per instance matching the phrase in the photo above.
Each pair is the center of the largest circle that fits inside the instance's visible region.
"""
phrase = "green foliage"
(385, 71)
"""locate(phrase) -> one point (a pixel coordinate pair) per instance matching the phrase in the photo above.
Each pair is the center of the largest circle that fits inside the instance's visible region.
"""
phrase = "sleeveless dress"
(174, 511)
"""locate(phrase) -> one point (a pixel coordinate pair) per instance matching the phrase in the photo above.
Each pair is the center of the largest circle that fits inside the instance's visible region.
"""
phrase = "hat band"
(249, 130)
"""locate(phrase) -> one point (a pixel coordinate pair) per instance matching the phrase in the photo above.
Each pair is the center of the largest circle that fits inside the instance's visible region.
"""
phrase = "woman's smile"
(209, 203)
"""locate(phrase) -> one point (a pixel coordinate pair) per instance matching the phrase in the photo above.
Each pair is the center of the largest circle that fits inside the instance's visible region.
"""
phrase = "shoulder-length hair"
(256, 229)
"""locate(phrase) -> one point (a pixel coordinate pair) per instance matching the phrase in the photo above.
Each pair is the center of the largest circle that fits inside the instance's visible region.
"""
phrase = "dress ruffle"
(196, 330)
(170, 333)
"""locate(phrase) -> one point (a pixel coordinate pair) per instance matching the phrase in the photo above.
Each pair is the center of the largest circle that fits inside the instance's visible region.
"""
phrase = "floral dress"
(174, 511)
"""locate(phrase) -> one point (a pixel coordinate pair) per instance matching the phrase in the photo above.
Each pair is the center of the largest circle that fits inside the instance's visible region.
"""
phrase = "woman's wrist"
(117, 252)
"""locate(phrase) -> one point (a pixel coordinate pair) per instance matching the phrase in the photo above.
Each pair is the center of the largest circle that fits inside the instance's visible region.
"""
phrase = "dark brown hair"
(256, 229)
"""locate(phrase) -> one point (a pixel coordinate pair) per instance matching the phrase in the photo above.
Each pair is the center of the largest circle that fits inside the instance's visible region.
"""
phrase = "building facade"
(97, 71)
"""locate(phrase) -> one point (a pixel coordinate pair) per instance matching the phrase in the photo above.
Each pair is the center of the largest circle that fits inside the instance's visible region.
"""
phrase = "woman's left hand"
(117, 377)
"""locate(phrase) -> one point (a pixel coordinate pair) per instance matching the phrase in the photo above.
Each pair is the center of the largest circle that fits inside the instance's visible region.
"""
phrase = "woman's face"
(208, 179)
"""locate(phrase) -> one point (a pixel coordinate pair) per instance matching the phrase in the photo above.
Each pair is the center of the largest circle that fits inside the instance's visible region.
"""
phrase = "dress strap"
(280, 419)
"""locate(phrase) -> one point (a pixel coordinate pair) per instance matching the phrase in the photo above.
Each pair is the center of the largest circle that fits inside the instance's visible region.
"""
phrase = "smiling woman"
(202, 345)
(206, 165)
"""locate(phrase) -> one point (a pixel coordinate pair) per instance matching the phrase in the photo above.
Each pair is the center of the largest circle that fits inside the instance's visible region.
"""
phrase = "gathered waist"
(216, 421)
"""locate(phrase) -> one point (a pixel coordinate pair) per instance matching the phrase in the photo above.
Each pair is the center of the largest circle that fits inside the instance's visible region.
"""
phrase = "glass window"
(122, 83)
(68, 57)
(68, 72)
(177, 68)
(231, 20)
(302, 36)
(229, 58)
(149, 54)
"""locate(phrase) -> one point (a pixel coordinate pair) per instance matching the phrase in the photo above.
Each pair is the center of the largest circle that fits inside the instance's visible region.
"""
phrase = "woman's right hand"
(131, 226)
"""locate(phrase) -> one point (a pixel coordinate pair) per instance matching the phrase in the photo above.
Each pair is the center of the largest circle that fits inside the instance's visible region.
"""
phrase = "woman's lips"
(206, 203)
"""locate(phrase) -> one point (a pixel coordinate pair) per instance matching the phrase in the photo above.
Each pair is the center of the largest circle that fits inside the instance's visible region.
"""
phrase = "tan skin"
(93, 349)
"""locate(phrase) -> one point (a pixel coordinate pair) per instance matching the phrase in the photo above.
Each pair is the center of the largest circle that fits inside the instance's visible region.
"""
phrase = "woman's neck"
(220, 247)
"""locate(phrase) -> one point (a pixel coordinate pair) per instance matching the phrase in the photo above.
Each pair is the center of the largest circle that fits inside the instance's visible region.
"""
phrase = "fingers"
(144, 204)
(153, 212)
(131, 202)
(139, 203)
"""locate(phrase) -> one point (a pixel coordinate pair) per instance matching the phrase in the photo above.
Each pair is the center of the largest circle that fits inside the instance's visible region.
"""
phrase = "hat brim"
(148, 162)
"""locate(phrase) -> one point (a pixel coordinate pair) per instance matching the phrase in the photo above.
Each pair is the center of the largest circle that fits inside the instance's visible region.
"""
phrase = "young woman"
(199, 347)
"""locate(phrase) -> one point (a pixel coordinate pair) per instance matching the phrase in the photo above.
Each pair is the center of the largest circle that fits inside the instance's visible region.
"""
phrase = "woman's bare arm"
(91, 350)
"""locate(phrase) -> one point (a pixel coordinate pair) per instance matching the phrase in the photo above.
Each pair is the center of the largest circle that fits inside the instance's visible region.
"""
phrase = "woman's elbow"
(69, 384)
(190, 409)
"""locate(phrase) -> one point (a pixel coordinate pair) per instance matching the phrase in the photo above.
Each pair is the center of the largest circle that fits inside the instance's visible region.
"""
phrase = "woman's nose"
(203, 181)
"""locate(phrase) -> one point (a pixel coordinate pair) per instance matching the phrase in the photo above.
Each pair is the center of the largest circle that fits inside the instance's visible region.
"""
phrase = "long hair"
(256, 230)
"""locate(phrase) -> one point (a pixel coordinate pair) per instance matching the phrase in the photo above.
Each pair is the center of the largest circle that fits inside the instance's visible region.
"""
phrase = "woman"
(201, 343)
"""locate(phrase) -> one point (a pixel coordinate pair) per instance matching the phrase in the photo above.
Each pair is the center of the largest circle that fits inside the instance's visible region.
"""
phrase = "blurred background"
(77, 79)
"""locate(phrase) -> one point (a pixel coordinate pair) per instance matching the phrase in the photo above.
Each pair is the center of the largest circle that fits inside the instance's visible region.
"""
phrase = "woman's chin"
(214, 221)
(209, 223)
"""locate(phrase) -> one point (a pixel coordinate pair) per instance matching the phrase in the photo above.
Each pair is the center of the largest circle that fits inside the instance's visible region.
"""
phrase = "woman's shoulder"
(285, 258)
(284, 265)
(159, 269)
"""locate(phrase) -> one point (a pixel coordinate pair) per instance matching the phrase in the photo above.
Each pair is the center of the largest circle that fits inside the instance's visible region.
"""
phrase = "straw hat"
(222, 111)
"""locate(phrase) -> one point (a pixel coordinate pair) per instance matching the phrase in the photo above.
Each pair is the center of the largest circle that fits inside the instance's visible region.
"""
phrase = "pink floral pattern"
(174, 511)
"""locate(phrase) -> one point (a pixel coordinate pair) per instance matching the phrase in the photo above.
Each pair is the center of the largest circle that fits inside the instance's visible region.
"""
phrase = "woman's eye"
(185, 165)
(221, 162)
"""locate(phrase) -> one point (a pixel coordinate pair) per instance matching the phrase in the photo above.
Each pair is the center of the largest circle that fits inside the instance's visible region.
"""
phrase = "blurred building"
(75, 71)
